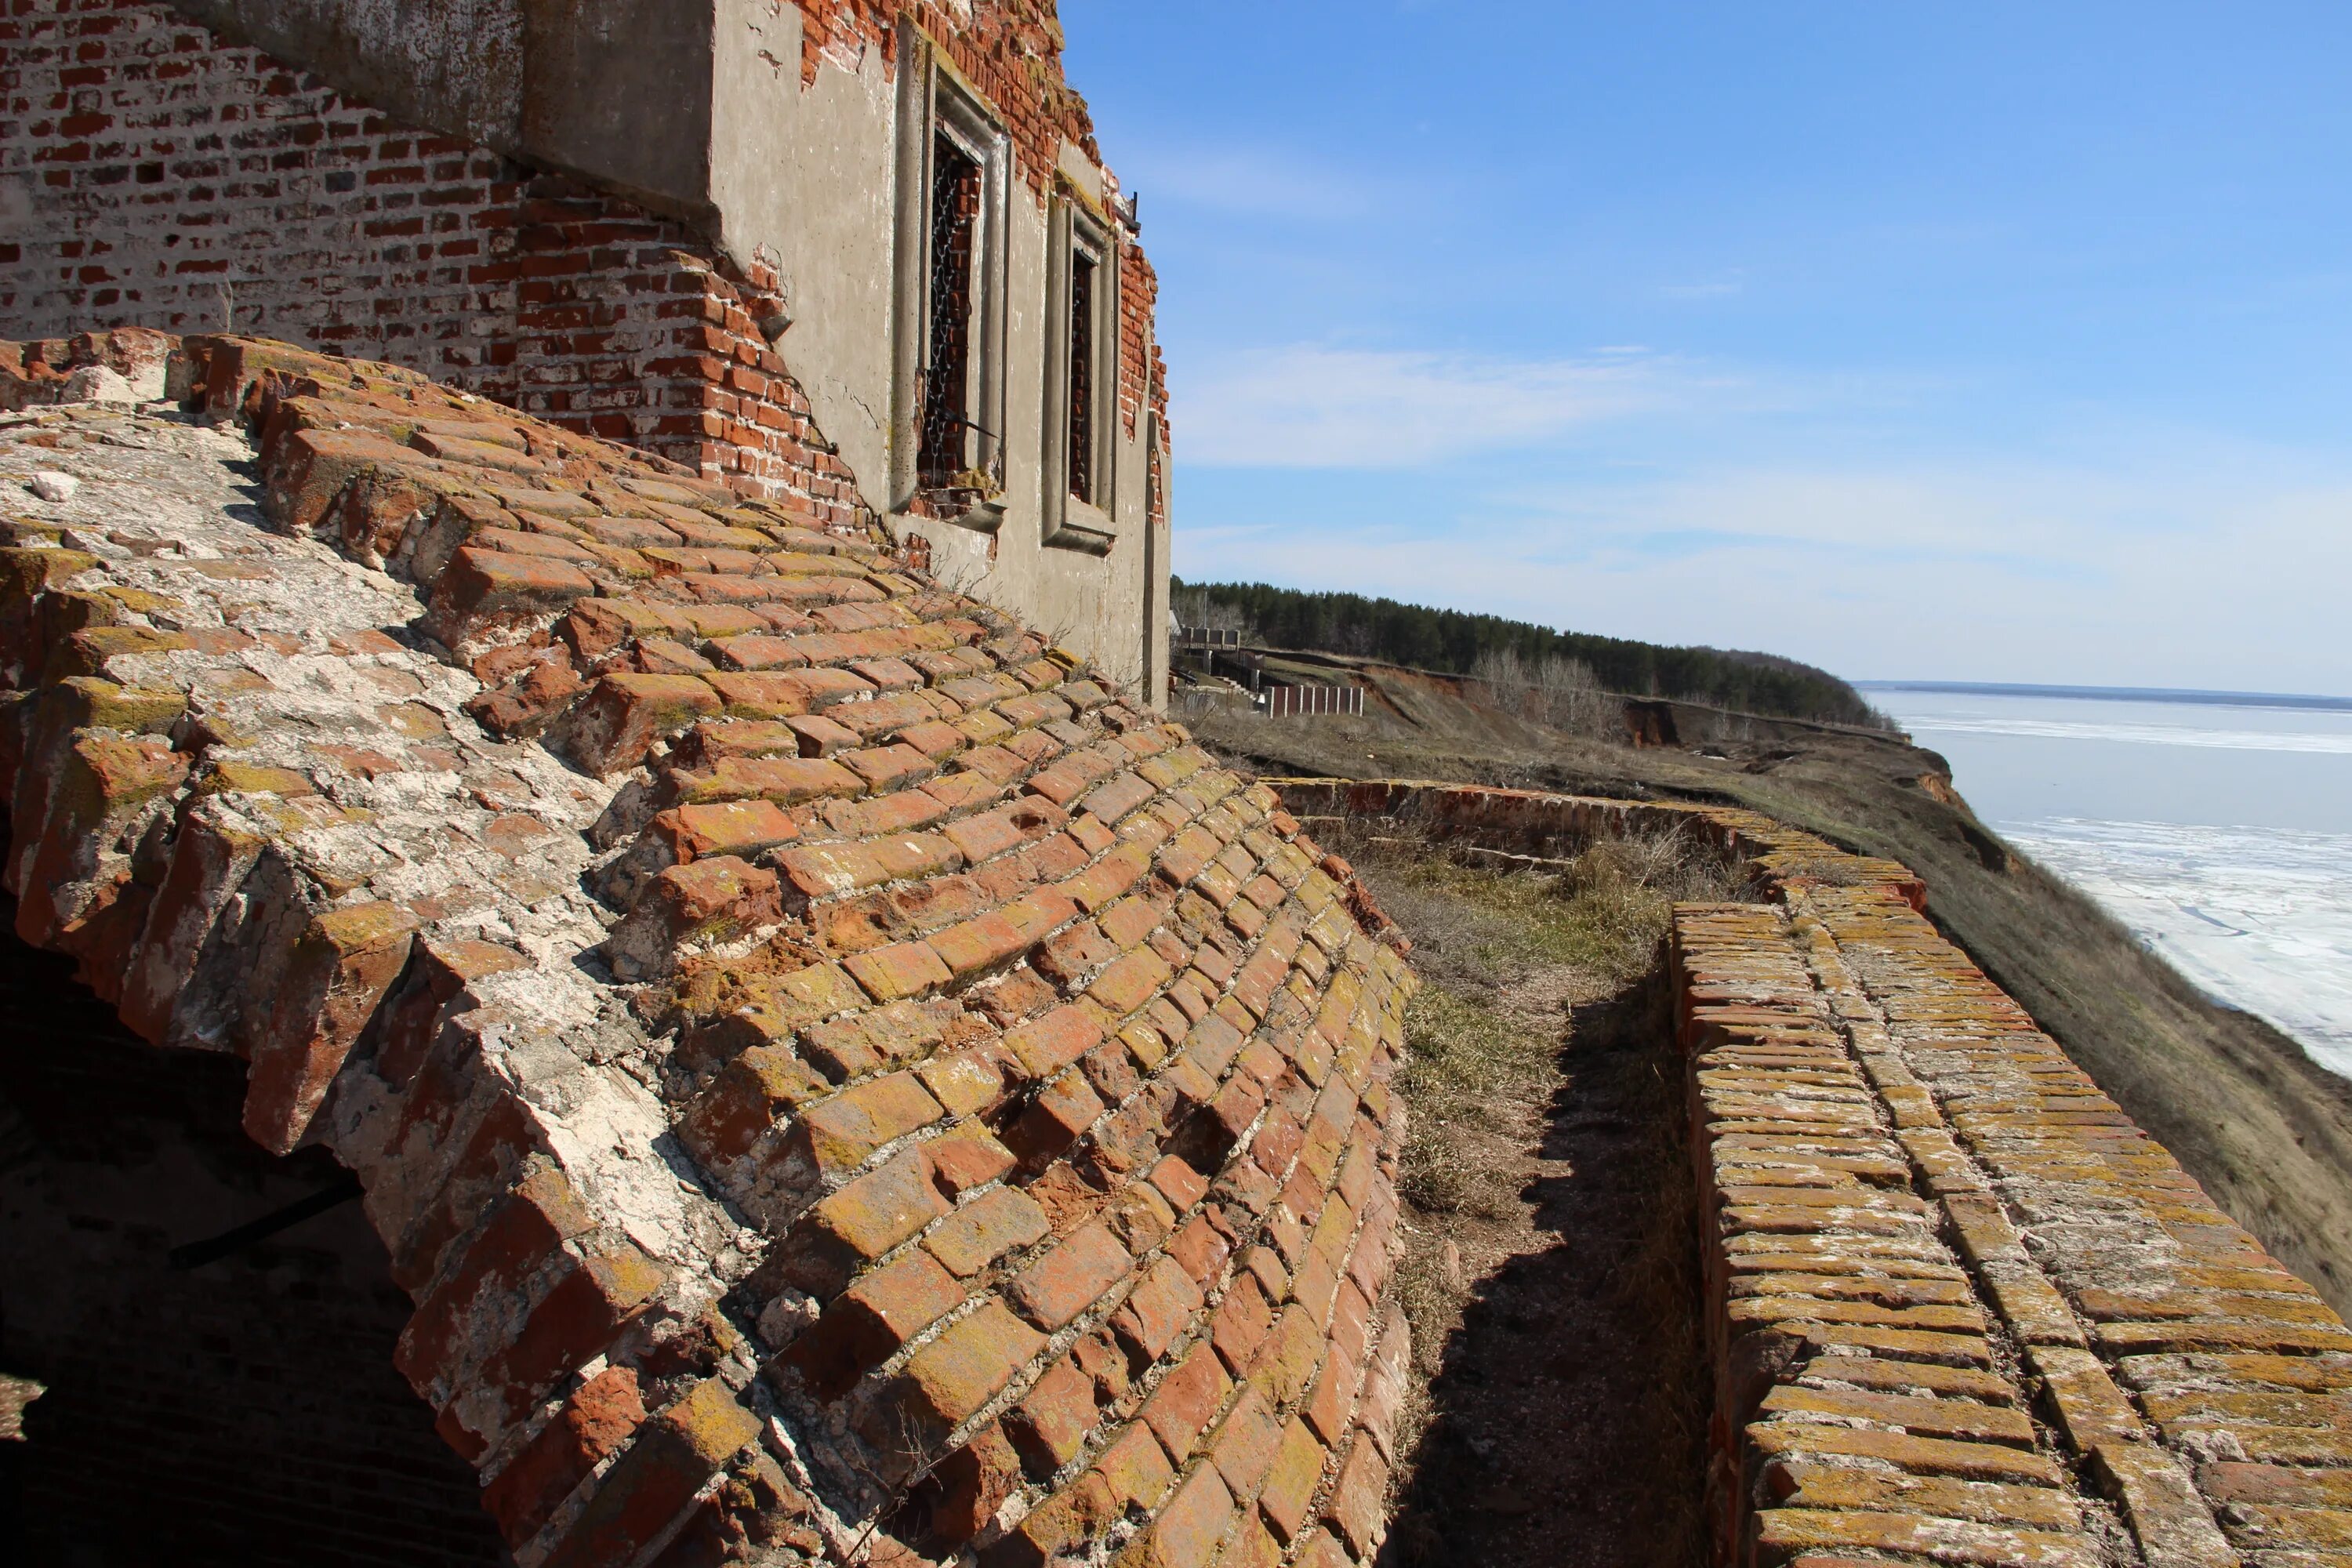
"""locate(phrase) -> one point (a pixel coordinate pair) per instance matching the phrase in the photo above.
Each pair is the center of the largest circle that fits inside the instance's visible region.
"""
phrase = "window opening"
(1082, 376)
(946, 408)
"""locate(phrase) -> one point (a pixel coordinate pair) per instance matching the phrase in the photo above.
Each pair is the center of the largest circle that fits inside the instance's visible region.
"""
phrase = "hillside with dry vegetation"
(2266, 1130)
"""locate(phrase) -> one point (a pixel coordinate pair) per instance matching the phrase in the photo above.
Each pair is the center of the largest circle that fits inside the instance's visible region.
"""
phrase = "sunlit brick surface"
(1960, 1309)
(816, 1054)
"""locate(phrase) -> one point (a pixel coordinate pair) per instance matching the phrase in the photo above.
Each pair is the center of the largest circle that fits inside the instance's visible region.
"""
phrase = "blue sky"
(1972, 341)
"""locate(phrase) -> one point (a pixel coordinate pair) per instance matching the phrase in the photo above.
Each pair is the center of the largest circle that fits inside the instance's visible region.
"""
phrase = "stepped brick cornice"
(821, 1058)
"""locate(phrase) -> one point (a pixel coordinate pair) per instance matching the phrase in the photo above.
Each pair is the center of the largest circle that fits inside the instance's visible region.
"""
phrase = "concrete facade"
(376, 176)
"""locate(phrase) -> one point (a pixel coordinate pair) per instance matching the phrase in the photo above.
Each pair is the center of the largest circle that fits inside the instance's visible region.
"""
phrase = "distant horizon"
(2116, 693)
(2011, 338)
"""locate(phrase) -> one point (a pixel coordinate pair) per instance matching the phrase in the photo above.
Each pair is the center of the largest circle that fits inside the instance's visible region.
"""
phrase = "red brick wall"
(188, 166)
(1011, 51)
(1138, 355)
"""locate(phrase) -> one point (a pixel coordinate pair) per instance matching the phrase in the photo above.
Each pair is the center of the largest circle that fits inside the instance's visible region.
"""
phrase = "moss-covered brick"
(1053, 1042)
(1129, 982)
(619, 722)
(840, 1134)
(822, 688)
(1918, 1455)
(1050, 1423)
(600, 1415)
(990, 1227)
(888, 768)
(1160, 1307)
(706, 900)
(1187, 1401)
(1071, 1278)
(965, 1159)
(870, 1322)
(1133, 1471)
(969, 1083)
(1292, 1480)
(981, 943)
(1188, 1529)
(483, 588)
(861, 1222)
(1244, 1446)
(781, 1010)
(26, 574)
(522, 1240)
(905, 969)
(950, 1378)
(758, 651)
(1054, 1121)
(1139, 1217)
(1240, 1324)
(595, 628)
(1118, 795)
(787, 780)
(1286, 1362)
(1786, 1534)
(756, 1090)
(760, 694)
(653, 1482)
(332, 983)
(741, 828)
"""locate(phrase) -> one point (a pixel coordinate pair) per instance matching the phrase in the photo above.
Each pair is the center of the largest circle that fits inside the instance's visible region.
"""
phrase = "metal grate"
(946, 412)
(1082, 376)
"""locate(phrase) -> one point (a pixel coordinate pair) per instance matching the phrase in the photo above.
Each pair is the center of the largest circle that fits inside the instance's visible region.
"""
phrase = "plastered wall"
(358, 175)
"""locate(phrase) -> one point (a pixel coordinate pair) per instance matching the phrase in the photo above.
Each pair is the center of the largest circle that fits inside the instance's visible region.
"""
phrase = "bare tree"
(1557, 693)
(1194, 607)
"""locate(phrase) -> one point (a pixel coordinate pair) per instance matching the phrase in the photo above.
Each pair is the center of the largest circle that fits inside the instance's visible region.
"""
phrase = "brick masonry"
(253, 1397)
(207, 182)
(819, 1058)
(818, 1055)
(1961, 1309)
(208, 187)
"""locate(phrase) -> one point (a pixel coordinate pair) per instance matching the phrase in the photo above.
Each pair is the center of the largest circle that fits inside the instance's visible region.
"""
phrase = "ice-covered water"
(2219, 832)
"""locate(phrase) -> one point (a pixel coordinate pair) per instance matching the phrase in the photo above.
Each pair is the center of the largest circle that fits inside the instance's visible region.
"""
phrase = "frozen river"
(2219, 829)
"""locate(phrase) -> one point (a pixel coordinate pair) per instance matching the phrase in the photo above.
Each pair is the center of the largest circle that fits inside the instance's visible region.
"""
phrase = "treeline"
(1453, 642)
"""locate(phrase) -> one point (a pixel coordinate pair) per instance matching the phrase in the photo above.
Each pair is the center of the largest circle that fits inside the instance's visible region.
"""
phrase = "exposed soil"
(1549, 1270)
(2266, 1129)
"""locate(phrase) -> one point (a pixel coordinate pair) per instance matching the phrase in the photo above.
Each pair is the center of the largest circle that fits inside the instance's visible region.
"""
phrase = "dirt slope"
(2268, 1132)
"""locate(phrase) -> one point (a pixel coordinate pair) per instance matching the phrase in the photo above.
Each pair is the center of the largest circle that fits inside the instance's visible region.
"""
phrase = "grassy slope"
(2267, 1131)
(1548, 1202)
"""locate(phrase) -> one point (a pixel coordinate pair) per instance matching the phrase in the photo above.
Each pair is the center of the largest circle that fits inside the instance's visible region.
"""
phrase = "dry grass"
(1543, 1130)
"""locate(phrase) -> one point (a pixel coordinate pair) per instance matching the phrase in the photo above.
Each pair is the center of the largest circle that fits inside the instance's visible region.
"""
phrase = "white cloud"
(1311, 408)
(2162, 577)
(1252, 181)
(1723, 288)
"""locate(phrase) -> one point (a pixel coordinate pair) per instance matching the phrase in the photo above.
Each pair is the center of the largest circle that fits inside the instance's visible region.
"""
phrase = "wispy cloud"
(1313, 408)
(1253, 182)
(2193, 571)
(1723, 288)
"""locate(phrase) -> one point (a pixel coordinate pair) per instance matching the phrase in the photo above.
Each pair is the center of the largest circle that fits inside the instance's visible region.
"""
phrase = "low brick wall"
(1533, 822)
(832, 1072)
(1960, 1309)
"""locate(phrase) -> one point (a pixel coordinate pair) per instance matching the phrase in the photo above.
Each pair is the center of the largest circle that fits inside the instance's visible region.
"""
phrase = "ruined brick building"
(614, 966)
(864, 256)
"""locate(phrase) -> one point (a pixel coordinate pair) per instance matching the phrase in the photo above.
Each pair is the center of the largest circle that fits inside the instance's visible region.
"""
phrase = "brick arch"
(183, 1417)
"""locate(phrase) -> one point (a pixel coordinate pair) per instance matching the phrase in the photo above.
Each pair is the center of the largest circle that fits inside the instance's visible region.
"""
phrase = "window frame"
(935, 104)
(1074, 230)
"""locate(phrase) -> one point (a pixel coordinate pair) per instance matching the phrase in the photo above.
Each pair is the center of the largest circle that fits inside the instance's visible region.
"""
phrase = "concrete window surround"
(1077, 238)
(936, 106)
